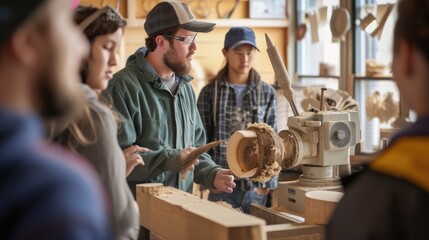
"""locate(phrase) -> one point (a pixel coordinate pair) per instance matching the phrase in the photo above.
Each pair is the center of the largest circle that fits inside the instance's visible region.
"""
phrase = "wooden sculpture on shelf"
(332, 99)
(383, 107)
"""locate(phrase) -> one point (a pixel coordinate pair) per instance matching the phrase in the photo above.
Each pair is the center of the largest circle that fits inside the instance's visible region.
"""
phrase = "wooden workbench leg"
(144, 233)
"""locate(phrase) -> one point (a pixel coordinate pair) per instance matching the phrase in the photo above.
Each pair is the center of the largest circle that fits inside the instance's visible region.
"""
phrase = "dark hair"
(413, 25)
(151, 43)
(108, 22)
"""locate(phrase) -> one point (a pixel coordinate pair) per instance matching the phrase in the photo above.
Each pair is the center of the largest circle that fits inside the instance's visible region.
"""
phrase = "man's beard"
(56, 102)
(179, 68)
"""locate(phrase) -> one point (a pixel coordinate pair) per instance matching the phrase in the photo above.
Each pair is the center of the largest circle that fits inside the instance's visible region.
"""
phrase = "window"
(373, 79)
(318, 55)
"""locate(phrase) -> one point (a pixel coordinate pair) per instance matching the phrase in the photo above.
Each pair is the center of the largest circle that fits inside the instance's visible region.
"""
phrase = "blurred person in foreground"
(46, 192)
(93, 135)
(155, 97)
(235, 97)
(390, 199)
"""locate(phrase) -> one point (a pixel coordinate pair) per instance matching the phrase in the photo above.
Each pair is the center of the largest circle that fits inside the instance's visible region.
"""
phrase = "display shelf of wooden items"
(214, 10)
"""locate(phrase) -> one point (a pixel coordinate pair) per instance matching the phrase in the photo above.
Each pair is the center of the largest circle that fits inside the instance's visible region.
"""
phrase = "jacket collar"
(419, 128)
(254, 78)
(406, 159)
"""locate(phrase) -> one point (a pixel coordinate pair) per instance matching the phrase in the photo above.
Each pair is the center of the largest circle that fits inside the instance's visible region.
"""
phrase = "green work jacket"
(161, 121)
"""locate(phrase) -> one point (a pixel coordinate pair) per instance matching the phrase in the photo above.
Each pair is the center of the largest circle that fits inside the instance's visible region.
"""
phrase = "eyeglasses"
(187, 40)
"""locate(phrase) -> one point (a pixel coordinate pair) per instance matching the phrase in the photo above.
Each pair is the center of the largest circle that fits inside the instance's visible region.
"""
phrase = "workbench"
(169, 213)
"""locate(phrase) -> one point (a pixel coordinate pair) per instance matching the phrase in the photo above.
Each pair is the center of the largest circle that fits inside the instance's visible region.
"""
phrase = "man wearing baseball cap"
(46, 193)
(235, 97)
(155, 97)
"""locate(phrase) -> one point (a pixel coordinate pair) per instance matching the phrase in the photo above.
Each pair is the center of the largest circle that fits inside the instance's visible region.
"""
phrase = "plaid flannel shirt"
(218, 112)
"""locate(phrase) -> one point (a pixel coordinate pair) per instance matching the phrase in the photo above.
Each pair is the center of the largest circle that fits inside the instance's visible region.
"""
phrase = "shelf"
(266, 23)
(377, 77)
(318, 76)
(133, 21)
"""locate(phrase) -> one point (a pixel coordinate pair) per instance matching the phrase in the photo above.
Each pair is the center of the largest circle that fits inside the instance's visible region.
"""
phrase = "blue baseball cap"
(237, 36)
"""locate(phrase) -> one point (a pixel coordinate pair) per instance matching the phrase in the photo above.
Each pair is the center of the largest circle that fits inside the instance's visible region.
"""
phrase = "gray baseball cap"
(170, 14)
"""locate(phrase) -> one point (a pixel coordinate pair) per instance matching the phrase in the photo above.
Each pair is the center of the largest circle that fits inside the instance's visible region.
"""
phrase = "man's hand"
(224, 180)
(183, 154)
(133, 157)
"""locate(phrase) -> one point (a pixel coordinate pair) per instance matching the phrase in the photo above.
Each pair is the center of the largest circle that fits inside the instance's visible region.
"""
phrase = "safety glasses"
(187, 40)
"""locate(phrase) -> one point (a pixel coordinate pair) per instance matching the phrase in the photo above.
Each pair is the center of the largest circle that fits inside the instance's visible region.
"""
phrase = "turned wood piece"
(255, 152)
(265, 146)
(290, 156)
(242, 145)
(319, 206)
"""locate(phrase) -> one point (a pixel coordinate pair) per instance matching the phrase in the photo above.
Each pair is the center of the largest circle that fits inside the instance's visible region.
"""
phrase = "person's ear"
(23, 47)
(161, 42)
(224, 51)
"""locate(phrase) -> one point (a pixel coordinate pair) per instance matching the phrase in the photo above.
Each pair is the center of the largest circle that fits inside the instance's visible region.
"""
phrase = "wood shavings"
(268, 165)
(255, 147)
(227, 205)
(224, 204)
(267, 173)
(289, 149)
(261, 126)
(160, 191)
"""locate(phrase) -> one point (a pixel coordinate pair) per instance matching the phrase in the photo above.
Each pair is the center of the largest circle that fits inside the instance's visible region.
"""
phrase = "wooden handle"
(198, 152)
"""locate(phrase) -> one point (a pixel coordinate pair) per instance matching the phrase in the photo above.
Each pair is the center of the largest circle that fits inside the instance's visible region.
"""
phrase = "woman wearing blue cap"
(235, 97)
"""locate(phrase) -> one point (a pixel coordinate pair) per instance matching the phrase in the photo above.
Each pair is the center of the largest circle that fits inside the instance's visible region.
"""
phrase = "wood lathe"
(320, 142)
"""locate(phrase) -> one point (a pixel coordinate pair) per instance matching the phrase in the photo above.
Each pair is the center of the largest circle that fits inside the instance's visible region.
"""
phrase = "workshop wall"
(208, 58)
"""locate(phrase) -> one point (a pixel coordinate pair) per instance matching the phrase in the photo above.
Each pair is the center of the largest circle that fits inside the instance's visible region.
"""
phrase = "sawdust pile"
(227, 205)
(267, 147)
(160, 191)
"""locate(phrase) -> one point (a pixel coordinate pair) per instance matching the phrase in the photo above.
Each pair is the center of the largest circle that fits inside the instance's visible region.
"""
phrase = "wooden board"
(281, 226)
(173, 214)
(271, 216)
(294, 231)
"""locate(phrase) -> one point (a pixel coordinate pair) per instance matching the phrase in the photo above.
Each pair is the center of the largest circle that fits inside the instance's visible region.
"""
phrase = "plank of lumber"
(294, 231)
(270, 216)
(173, 214)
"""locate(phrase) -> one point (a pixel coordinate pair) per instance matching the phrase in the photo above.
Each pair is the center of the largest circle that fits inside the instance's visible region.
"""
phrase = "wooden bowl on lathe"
(255, 153)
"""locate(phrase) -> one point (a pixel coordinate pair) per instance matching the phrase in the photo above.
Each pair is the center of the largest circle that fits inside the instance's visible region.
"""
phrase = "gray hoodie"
(108, 159)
